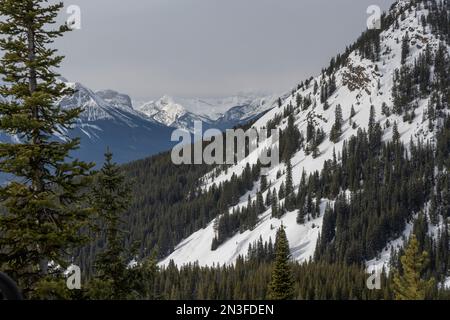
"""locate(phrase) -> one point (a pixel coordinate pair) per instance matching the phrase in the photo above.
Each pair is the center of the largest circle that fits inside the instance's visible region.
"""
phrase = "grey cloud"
(148, 48)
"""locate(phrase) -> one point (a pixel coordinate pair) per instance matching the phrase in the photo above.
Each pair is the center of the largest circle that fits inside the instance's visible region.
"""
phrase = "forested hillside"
(365, 150)
(361, 152)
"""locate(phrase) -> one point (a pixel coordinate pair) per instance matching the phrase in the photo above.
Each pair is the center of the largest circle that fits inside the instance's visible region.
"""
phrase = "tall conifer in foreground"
(111, 198)
(281, 286)
(409, 285)
(44, 201)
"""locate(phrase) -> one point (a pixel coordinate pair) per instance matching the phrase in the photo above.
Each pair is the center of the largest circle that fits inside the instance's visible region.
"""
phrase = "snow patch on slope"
(197, 247)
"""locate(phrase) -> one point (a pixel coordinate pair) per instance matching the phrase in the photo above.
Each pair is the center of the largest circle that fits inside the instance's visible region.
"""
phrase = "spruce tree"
(301, 214)
(405, 48)
(43, 204)
(395, 133)
(290, 196)
(336, 130)
(282, 191)
(281, 286)
(289, 181)
(316, 87)
(275, 204)
(298, 100)
(260, 207)
(111, 198)
(268, 198)
(264, 183)
(374, 130)
(352, 112)
(372, 120)
(410, 285)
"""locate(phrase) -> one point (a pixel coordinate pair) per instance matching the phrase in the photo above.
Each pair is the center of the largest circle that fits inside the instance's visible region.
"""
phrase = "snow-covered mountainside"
(220, 113)
(360, 82)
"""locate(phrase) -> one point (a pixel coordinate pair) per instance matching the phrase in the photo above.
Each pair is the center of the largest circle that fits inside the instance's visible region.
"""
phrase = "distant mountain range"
(133, 132)
(220, 113)
(109, 120)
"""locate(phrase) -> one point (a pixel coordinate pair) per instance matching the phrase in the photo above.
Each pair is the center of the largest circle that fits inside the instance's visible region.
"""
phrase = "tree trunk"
(37, 183)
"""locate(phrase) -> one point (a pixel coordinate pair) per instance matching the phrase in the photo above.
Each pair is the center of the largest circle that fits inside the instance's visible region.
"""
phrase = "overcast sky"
(192, 48)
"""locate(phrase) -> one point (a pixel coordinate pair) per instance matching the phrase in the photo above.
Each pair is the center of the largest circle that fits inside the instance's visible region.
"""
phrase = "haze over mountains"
(110, 120)
(220, 113)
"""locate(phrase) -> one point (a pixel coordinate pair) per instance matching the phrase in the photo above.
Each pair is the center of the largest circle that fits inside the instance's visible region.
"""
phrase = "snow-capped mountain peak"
(115, 99)
(220, 113)
(165, 110)
(101, 105)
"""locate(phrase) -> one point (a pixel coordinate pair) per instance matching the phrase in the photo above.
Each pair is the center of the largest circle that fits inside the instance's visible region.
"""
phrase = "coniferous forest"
(116, 223)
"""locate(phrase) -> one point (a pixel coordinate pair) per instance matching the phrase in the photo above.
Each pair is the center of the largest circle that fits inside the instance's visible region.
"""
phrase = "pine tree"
(315, 150)
(289, 181)
(281, 286)
(410, 285)
(405, 48)
(111, 198)
(268, 198)
(282, 191)
(44, 209)
(375, 132)
(275, 204)
(301, 214)
(352, 112)
(336, 130)
(385, 110)
(332, 85)
(290, 196)
(372, 120)
(395, 133)
(316, 87)
(290, 139)
(260, 207)
(264, 184)
(298, 100)
(434, 219)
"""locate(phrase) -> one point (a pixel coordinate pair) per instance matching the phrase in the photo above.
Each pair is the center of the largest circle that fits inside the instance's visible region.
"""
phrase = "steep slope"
(372, 79)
